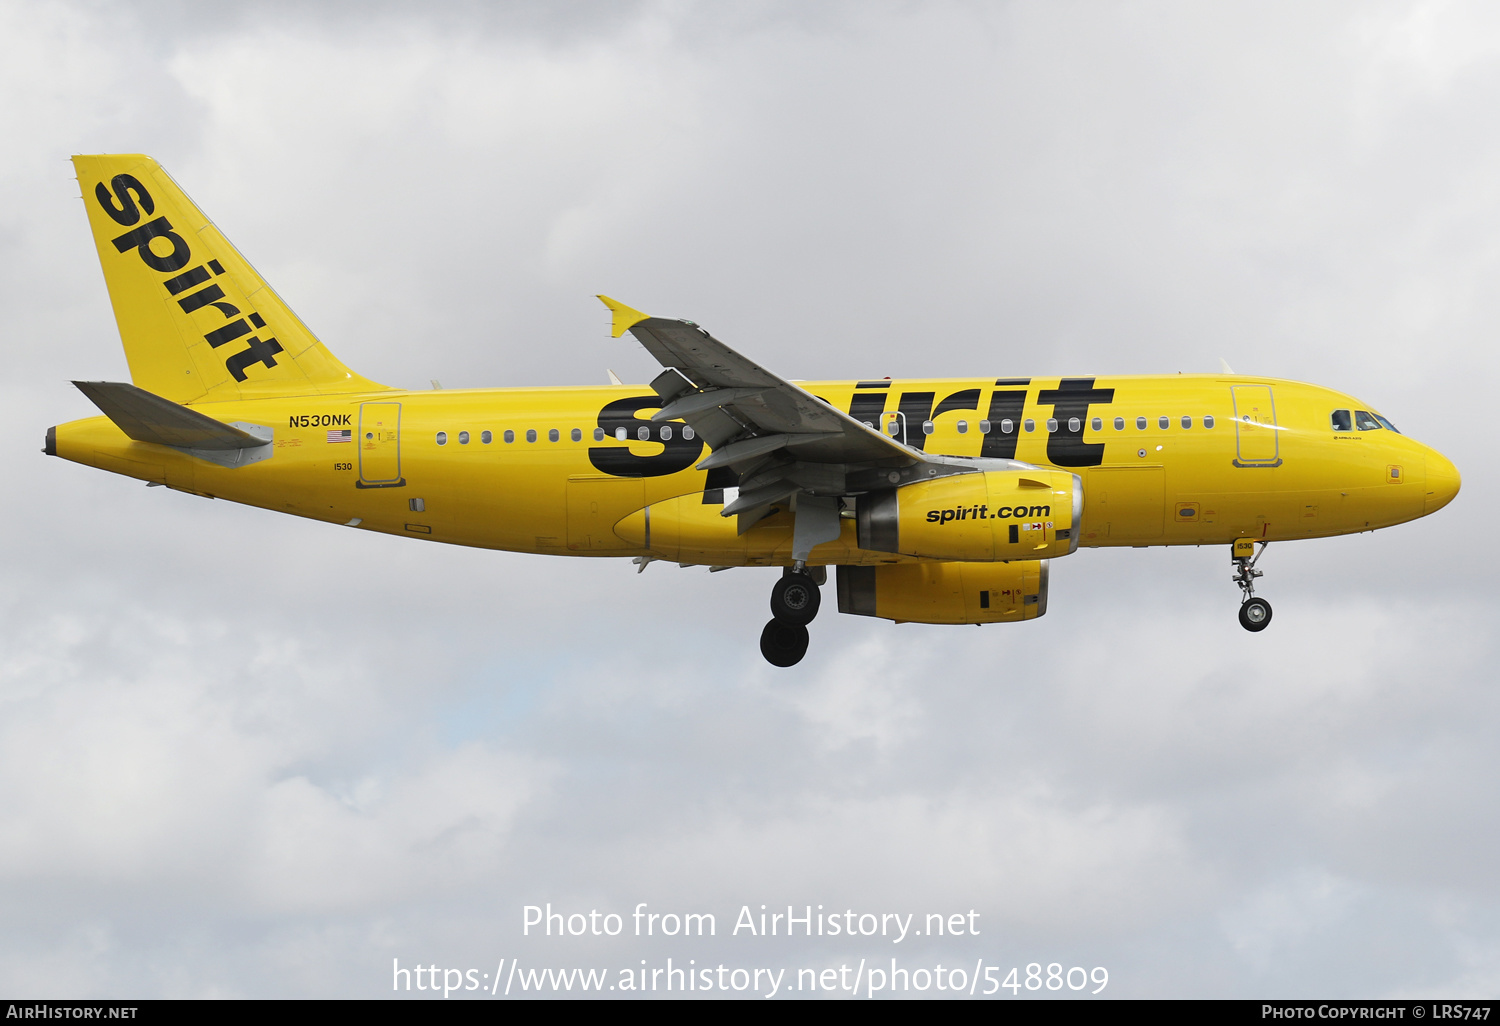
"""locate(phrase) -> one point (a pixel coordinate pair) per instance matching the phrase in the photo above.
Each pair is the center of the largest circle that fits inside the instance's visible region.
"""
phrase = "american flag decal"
(346, 435)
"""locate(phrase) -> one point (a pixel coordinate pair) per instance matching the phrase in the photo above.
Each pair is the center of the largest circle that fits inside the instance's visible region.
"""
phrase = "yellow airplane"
(939, 501)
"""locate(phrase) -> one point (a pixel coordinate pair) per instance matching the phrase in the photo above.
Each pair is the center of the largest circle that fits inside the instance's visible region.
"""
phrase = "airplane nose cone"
(1442, 482)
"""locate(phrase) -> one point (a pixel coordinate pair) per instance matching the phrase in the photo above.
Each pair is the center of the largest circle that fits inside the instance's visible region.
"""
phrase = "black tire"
(1255, 614)
(783, 644)
(795, 599)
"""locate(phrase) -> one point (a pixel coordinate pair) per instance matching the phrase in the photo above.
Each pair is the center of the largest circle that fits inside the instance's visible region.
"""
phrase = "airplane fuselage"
(1164, 460)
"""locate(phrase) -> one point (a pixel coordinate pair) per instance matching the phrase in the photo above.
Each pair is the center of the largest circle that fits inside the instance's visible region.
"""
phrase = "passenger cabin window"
(1187, 422)
(1007, 426)
(552, 435)
(576, 435)
(1364, 422)
(509, 436)
(1098, 424)
(531, 434)
(1030, 424)
(963, 427)
(1140, 423)
(1208, 420)
(621, 434)
(1051, 423)
(486, 437)
(442, 438)
(927, 427)
(463, 438)
(1119, 423)
(1342, 421)
(688, 432)
(598, 434)
(644, 434)
(984, 427)
(666, 432)
(1163, 422)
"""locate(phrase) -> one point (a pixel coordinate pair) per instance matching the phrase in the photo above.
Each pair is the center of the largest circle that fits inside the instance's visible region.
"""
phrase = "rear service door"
(379, 446)
(1255, 426)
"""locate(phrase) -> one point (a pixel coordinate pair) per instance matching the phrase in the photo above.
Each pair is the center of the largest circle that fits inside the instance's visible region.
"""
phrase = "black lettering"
(259, 352)
(1041, 511)
(677, 453)
(216, 267)
(228, 333)
(916, 409)
(1005, 404)
(206, 297)
(967, 399)
(868, 406)
(126, 213)
(1070, 399)
(257, 320)
(932, 516)
(186, 280)
(140, 241)
(1003, 511)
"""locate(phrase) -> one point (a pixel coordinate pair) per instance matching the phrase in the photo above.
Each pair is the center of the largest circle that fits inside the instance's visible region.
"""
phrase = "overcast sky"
(248, 755)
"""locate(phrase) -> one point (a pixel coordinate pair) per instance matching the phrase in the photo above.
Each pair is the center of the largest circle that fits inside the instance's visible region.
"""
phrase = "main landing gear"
(1255, 613)
(794, 603)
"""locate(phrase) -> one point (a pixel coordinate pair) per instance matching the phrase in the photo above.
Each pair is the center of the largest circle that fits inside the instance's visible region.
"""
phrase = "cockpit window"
(1385, 423)
(1364, 422)
(1342, 421)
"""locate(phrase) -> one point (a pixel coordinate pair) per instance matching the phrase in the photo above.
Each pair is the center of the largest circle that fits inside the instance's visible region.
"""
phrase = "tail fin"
(198, 323)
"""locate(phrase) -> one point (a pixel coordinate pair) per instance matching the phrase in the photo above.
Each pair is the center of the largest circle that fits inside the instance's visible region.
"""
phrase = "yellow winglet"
(624, 317)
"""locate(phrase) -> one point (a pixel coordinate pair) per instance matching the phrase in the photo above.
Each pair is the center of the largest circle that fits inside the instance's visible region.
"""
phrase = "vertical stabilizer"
(198, 323)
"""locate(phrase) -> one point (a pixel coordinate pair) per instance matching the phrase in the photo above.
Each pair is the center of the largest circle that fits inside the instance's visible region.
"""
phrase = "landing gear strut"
(794, 603)
(1255, 613)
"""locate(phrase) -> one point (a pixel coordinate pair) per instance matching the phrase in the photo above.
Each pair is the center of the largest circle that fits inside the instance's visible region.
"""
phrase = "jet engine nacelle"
(945, 592)
(995, 515)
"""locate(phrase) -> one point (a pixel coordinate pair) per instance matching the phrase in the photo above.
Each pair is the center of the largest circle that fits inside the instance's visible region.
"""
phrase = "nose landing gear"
(1255, 613)
(794, 603)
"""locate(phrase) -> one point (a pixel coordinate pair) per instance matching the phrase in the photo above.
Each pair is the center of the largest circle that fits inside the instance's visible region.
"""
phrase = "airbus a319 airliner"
(939, 501)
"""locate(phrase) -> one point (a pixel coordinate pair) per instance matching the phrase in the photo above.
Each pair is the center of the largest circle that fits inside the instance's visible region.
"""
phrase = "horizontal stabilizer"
(150, 418)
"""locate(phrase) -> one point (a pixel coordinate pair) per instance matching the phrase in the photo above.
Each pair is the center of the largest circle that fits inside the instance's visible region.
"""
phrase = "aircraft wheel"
(783, 644)
(795, 599)
(1255, 614)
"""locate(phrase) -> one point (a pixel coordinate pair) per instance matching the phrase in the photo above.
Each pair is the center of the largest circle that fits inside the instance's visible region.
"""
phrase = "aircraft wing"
(779, 438)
